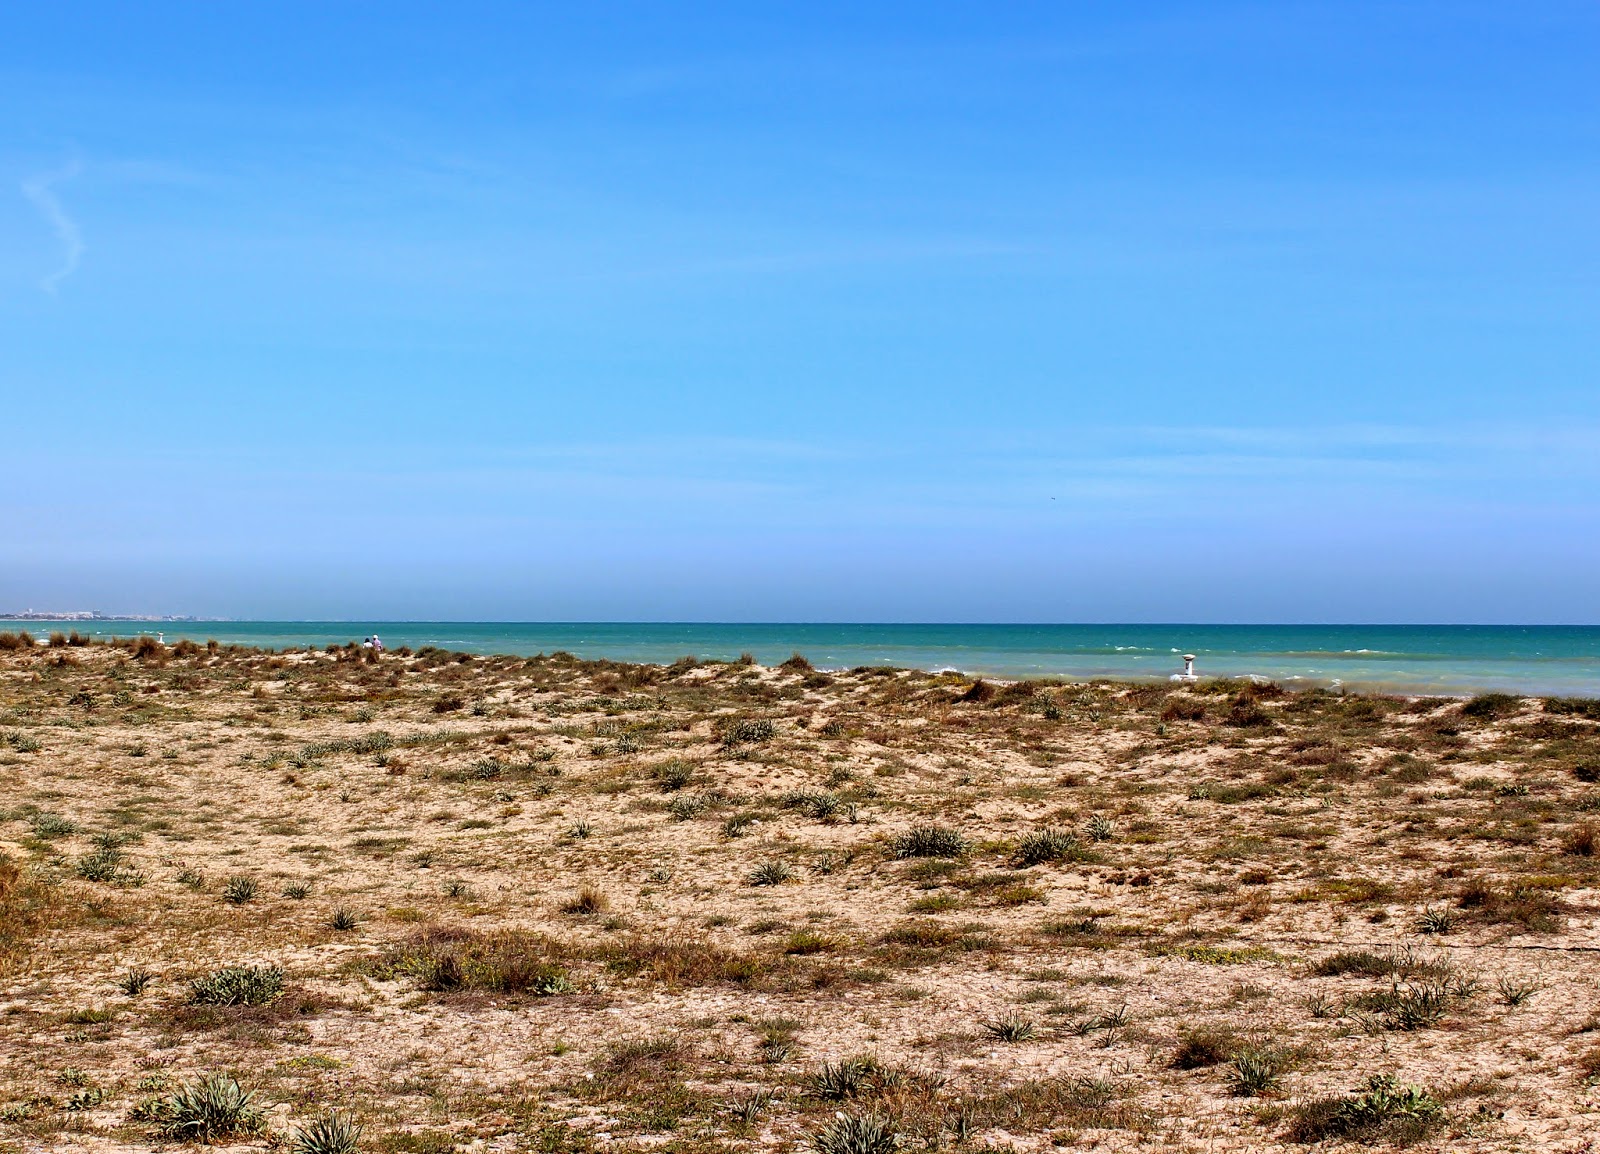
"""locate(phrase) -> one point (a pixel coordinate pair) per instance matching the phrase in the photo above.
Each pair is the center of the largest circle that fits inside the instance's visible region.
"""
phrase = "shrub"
(930, 841)
(1385, 1108)
(674, 774)
(681, 963)
(237, 986)
(1580, 841)
(1579, 706)
(1184, 709)
(923, 933)
(1375, 964)
(508, 961)
(979, 692)
(1048, 845)
(133, 983)
(869, 1133)
(1245, 713)
(214, 1107)
(333, 1133)
(687, 806)
(587, 902)
(1492, 706)
(149, 649)
(1205, 1046)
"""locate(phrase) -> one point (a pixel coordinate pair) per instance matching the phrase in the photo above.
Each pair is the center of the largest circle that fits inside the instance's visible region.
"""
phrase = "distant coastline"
(94, 615)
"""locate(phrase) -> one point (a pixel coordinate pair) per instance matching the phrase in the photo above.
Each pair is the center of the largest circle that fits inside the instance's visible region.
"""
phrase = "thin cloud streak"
(40, 190)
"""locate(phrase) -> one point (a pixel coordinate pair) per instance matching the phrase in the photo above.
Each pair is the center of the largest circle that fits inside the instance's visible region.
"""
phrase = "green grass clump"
(1049, 845)
(237, 986)
(673, 774)
(748, 731)
(343, 919)
(333, 1133)
(213, 1107)
(1436, 920)
(239, 889)
(869, 1133)
(100, 866)
(813, 803)
(771, 873)
(1011, 1028)
(50, 825)
(930, 841)
(1413, 1006)
(845, 1078)
(1256, 1070)
(1386, 1109)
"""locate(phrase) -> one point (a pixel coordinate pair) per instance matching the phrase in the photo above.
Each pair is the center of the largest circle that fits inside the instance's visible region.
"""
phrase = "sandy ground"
(1247, 880)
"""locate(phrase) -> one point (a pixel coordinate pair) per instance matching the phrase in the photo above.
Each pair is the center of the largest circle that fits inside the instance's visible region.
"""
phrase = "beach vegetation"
(1119, 867)
(332, 1133)
(207, 1110)
(930, 841)
(237, 986)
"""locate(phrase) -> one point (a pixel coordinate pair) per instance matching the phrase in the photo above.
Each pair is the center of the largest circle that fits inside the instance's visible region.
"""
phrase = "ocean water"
(1399, 658)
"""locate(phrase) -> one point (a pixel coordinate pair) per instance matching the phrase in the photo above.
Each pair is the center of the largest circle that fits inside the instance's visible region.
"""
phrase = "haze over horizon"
(1153, 312)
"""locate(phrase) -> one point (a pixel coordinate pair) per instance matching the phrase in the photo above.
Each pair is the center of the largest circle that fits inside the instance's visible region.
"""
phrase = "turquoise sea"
(1403, 658)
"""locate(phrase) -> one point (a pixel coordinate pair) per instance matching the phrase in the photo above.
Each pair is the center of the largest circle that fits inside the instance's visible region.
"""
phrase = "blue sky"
(1066, 312)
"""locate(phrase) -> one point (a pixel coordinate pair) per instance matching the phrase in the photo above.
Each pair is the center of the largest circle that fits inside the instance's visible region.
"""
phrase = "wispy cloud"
(41, 191)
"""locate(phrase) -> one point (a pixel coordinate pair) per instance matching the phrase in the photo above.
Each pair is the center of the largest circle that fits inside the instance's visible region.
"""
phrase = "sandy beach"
(537, 903)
